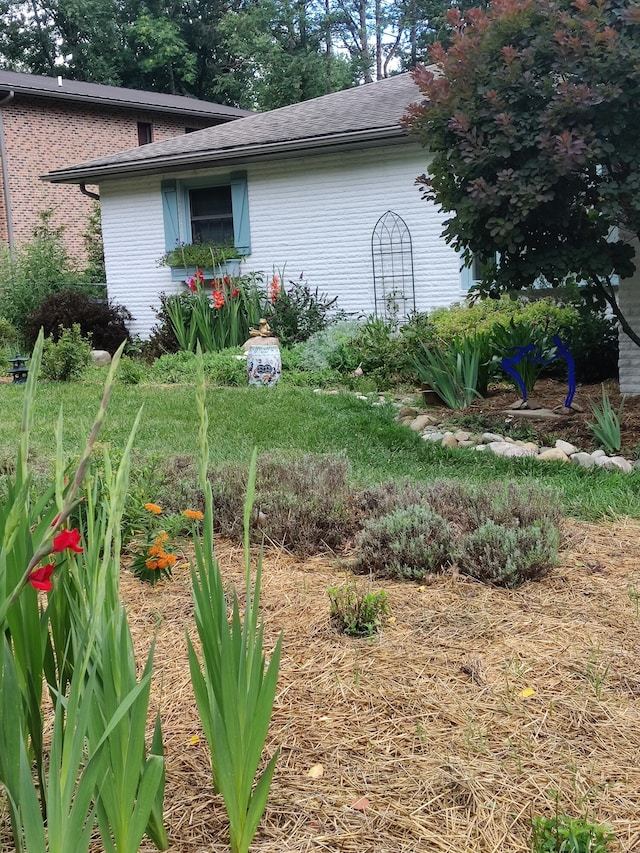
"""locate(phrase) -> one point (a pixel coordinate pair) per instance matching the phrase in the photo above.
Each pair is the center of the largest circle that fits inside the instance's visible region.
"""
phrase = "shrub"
(359, 614)
(508, 556)
(304, 503)
(297, 312)
(40, 267)
(105, 322)
(131, 372)
(331, 347)
(408, 543)
(221, 368)
(606, 427)
(68, 357)
(458, 371)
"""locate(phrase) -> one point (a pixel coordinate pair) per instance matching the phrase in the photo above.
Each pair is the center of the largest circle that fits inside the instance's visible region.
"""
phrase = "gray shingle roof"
(115, 96)
(360, 117)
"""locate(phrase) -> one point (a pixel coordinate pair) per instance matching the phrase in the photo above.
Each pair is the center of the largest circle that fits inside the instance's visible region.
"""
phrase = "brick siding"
(42, 134)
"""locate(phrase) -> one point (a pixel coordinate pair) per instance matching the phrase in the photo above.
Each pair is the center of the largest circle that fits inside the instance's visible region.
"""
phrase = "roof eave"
(141, 106)
(233, 156)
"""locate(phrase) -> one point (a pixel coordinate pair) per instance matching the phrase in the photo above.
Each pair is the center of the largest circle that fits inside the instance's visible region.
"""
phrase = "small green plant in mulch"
(564, 834)
(606, 427)
(357, 613)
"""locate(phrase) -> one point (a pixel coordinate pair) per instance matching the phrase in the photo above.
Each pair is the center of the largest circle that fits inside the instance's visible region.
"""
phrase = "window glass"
(145, 133)
(211, 215)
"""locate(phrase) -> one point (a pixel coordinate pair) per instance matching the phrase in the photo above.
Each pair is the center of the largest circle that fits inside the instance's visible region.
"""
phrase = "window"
(211, 214)
(145, 133)
(211, 209)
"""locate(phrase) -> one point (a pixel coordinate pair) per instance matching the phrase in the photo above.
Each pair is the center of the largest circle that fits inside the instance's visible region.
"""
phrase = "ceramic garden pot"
(264, 365)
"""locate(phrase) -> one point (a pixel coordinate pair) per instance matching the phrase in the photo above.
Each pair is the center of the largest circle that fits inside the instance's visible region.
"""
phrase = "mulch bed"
(551, 393)
(456, 724)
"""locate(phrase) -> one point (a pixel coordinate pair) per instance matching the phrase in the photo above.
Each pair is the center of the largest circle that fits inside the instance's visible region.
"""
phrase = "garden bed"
(456, 724)
(549, 393)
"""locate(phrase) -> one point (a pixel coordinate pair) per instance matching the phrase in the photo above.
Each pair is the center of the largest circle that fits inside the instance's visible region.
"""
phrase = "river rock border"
(431, 430)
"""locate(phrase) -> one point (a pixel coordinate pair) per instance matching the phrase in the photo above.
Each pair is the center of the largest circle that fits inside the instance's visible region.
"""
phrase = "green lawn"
(291, 420)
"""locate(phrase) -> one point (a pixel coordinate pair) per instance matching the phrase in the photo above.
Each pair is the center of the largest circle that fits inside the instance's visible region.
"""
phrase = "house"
(324, 188)
(49, 123)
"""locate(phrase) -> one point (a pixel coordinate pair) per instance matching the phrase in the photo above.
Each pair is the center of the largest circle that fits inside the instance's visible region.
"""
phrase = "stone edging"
(503, 445)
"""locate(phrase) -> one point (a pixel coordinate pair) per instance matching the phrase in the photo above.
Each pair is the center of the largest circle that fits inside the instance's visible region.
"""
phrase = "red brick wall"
(42, 135)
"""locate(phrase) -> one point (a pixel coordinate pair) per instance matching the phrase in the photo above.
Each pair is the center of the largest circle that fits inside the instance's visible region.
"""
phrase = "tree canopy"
(532, 116)
(258, 54)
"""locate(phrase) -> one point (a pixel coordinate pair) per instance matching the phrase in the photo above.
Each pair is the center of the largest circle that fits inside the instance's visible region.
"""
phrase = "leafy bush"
(331, 347)
(359, 614)
(221, 368)
(68, 357)
(297, 312)
(407, 543)
(40, 267)
(508, 556)
(592, 336)
(131, 371)
(564, 834)
(457, 371)
(105, 322)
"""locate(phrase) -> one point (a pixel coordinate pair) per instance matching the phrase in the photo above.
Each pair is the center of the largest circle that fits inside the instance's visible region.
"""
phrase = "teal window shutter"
(240, 207)
(169, 193)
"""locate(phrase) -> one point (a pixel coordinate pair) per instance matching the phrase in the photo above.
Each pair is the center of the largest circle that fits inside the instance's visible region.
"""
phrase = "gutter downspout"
(89, 193)
(5, 175)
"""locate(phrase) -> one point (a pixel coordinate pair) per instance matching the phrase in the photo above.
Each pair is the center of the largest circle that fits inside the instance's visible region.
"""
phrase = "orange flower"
(274, 288)
(154, 508)
(194, 514)
(152, 564)
(171, 559)
(218, 299)
(161, 537)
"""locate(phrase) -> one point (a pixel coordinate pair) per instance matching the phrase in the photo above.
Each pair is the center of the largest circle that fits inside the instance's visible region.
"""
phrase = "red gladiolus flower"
(226, 280)
(191, 283)
(274, 289)
(41, 578)
(235, 293)
(67, 539)
(218, 299)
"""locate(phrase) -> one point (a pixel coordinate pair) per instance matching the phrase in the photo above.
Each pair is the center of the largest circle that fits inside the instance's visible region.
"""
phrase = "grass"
(294, 420)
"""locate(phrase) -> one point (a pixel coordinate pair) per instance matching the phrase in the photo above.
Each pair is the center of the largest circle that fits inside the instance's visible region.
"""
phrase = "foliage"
(105, 322)
(217, 321)
(39, 268)
(330, 347)
(407, 543)
(77, 643)
(516, 339)
(234, 688)
(94, 248)
(358, 614)
(68, 357)
(151, 561)
(296, 312)
(508, 556)
(221, 368)
(592, 336)
(131, 371)
(208, 256)
(530, 117)
(564, 834)
(458, 371)
(303, 501)
(606, 428)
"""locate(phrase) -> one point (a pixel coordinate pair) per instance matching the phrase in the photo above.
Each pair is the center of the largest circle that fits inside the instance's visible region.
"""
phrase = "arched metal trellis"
(392, 254)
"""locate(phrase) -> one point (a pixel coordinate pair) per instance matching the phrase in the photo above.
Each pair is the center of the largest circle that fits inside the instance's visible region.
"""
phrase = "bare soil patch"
(457, 723)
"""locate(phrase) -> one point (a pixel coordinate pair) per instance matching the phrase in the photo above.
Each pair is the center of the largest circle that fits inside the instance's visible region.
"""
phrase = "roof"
(113, 96)
(362, 117)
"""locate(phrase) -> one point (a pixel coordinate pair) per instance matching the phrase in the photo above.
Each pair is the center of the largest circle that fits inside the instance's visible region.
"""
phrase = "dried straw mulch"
(456, 724)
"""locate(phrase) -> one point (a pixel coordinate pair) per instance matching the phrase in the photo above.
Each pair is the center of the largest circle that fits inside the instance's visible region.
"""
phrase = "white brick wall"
(313, 215)
(629, 361)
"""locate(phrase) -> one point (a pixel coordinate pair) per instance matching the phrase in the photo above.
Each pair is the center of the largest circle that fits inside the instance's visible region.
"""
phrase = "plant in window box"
(200, 256)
